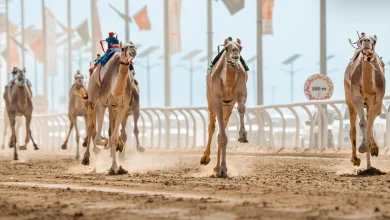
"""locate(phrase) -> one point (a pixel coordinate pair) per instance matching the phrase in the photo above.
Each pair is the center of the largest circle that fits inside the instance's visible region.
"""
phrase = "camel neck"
(368, 77)
(22, 96)
(121, 81)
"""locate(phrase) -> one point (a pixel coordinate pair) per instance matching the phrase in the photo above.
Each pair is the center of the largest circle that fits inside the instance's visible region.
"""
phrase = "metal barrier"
(298, 125)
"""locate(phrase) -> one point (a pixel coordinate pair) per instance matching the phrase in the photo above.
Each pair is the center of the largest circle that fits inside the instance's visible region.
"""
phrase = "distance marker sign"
(318, 87)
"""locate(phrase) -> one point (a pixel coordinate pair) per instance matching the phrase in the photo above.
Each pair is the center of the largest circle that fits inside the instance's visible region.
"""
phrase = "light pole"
(145, 54)
(290, 61)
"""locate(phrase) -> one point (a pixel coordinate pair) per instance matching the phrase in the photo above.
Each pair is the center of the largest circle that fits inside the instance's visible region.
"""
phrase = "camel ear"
(131, 43)
(375, 39)
(120, 44)
(226, 41)
(238, 41)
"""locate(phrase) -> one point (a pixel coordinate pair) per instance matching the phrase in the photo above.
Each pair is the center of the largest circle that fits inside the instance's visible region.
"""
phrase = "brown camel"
(77, 108)
(109, 87)
(19, 102)
(226, 85)
(364, 84)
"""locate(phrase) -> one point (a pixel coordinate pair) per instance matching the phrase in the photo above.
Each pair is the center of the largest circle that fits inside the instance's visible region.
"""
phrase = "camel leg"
(222, 137)
(27, 139)
(86, 128)
(352, 134)
(99, 119)
(359, 106)
(123, 138)
(241, 100)
(372, 113)
(91, 131)
(12, 143)
(136, 131)
(32, 139)
(77, 139)
(206, 155)
(64, 146)
(119, 114)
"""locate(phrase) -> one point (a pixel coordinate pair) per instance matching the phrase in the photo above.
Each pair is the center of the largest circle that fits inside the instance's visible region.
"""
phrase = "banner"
(234, 5)
(83, 31)
(142, 20)
(267, 8)
(51, 44)
(174, 9)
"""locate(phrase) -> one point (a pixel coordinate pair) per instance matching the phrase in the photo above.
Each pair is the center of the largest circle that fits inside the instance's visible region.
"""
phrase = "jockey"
(112, 42)
(220, 54)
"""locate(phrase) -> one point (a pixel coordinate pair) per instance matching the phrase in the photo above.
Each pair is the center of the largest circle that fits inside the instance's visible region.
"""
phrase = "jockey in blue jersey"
(112, 47)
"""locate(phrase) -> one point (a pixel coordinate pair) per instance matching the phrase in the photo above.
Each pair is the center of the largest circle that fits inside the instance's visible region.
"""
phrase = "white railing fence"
(298, 125)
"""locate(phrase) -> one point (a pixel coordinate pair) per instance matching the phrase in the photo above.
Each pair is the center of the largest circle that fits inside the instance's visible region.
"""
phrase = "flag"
(174, 9)
(36, 47)
(267, 8)
(82, 30)
(30, 35)
(123, 16)
(234, 5)
(51, 44)
(98, 31)
(142, 20)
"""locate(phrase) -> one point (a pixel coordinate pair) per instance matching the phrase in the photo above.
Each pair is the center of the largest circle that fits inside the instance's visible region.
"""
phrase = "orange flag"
(142, 20)
(267, 9)
(36, 47)
(174, 7)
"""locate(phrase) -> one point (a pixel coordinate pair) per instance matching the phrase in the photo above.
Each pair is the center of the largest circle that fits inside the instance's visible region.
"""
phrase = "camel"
(226, 86)
(7, 124)
(77, 108)
(19, 102)
(364, 85)
(134, 110)
(109, 87)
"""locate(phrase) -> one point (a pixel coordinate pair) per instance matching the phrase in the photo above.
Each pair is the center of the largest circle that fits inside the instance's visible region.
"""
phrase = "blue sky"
(296, 30)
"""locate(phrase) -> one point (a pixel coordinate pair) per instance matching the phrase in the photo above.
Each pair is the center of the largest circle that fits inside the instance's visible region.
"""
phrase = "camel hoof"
(85, 143)
(140, 149)
(22, 148)
(355, 161)
(120, 146)
(243, 140)
(64, 146)
(16, 157)
(111, 172)
(10, 145)
(216, 169)
(205, 160)
(85, 161)
(122, 171)
(96, 150)
(36, 147)
(77, 157)
(364, 147)
(374, 150)
(105, 141)
(222, 173)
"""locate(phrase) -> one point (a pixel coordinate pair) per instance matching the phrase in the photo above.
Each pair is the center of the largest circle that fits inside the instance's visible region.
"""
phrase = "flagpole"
(44, 49)
(209, 31)
(69, 73)
(8, 39)
(260, 100)
(127, 29)
(167, 88)
(23, 42)
(93, 28)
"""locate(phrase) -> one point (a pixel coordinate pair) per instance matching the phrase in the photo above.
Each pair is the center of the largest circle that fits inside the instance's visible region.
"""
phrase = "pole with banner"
(44, 48)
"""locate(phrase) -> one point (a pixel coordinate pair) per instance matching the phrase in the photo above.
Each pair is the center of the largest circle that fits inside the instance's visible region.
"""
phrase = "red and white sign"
(318, 87)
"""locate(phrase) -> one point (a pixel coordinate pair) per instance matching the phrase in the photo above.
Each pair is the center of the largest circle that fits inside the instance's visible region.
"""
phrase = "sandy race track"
(165, 184)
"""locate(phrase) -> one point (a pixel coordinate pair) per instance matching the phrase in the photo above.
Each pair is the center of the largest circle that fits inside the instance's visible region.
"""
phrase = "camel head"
(368, 44)
(78, 80)
(128, 52)
(20, 74)
(233, 49)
